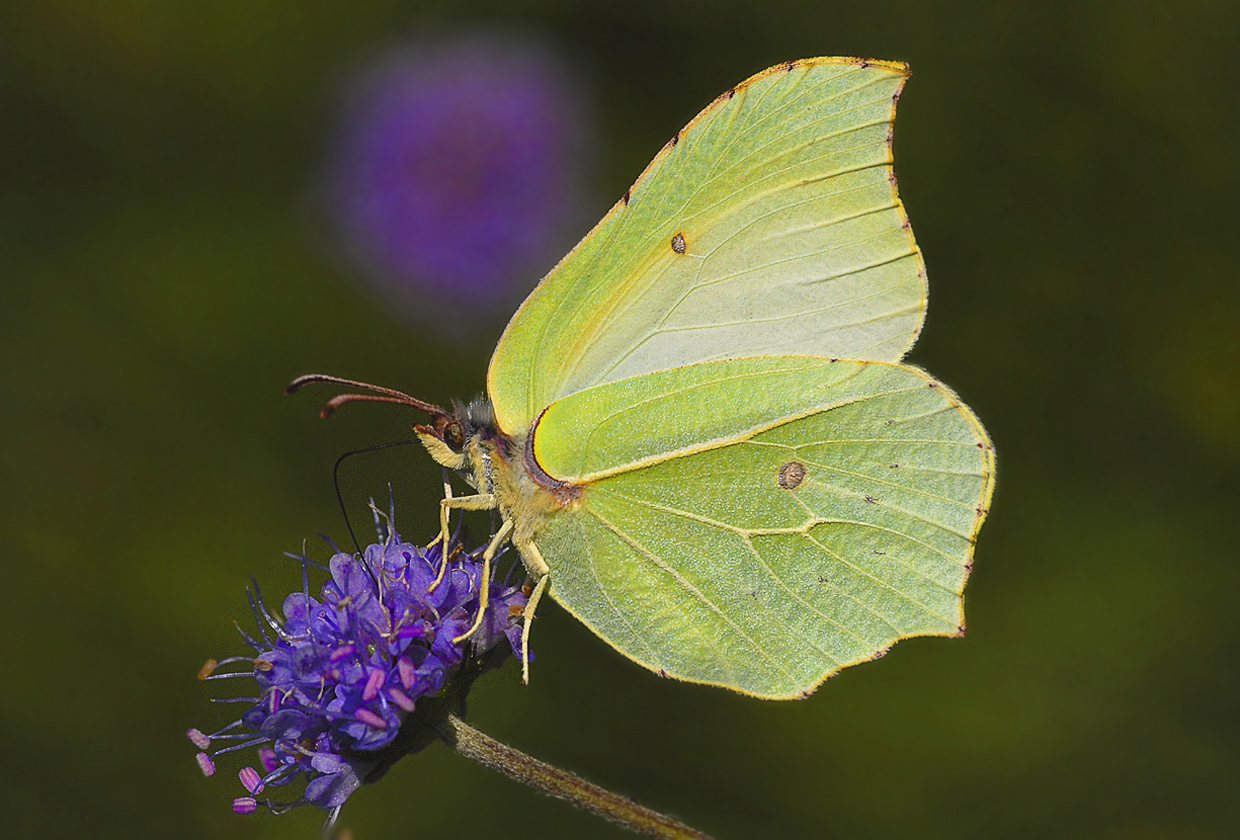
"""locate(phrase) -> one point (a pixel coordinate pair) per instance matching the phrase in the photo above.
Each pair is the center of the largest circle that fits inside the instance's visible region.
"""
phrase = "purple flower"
(455, 171)
(352, 680)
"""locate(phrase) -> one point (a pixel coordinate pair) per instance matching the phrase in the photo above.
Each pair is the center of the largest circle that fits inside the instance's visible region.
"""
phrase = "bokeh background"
(174, 248)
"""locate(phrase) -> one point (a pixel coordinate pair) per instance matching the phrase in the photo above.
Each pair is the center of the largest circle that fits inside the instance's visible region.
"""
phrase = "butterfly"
(698, 433)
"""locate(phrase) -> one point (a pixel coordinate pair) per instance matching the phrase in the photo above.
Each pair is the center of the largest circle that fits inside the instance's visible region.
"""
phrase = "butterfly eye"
(454, 435)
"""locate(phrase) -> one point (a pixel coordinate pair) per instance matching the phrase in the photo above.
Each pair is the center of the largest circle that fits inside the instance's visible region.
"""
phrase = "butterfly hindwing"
(765, 557)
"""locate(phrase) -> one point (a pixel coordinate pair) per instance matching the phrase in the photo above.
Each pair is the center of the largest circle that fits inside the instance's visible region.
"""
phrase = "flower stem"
(559, 783)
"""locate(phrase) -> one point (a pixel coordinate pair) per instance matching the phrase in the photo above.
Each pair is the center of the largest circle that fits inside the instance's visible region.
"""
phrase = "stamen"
(249, 595)
(391, 514)
(236, 736)
(331, 820)
(250, 780)
(234, 659)
(401, 699)
(250, 640)
(244, 805)
(220, 732)
(369, 718)
(373, 683)
(234, 674)
(407, 672)
(271, 621)
(199, 740)
(267, 757)
(207, 669)
(205, 764)
(383, 528)
(253, 742)
(335, 549)
(306, 562)
(276, 777)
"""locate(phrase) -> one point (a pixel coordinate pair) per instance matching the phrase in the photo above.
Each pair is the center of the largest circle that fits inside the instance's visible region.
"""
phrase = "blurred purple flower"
(351, 681)
(455, 170)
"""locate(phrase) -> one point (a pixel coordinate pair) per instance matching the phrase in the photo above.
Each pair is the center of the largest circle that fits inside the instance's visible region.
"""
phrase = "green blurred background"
(1071, 174)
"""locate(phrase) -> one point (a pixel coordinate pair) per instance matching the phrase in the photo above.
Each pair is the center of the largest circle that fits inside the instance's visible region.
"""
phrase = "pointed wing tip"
(861, 62)
(898, 67)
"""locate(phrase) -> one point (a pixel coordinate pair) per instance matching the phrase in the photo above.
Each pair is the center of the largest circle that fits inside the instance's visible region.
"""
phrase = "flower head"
(454, 171)
(350, 681)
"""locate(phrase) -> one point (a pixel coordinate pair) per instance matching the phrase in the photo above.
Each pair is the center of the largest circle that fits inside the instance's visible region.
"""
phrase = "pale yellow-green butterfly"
(698, 435)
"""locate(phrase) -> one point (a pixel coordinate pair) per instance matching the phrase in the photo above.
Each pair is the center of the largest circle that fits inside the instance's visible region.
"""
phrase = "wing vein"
(662, 566)
(802, 530)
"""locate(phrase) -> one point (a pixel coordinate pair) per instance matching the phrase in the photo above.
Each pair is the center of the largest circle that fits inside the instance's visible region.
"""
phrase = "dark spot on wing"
(731, 92)
(870, 499)
(791, 475)
(678, 243)
(675, 139)
(628, 194)
(788, 67)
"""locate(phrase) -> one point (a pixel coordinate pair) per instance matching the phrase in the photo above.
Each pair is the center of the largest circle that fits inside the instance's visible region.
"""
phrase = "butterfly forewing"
(771, 224)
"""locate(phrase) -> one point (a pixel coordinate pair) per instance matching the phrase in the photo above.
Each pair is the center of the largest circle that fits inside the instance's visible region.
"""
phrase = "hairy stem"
(561, 784)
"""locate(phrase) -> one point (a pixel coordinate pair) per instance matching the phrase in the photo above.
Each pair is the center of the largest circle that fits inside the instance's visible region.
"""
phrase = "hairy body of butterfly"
(699, 435)
(503, 471)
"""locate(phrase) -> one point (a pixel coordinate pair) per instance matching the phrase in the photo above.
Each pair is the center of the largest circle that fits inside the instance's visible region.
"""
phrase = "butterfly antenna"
(336, 481)
(379, 394)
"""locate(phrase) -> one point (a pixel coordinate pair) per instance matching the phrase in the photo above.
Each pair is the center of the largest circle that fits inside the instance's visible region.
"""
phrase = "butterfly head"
(448, 437)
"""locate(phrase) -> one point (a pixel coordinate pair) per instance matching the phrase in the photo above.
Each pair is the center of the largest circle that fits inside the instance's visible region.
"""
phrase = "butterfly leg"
(443, 527)
(484, 586)
(541, 572)
(481, 501)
